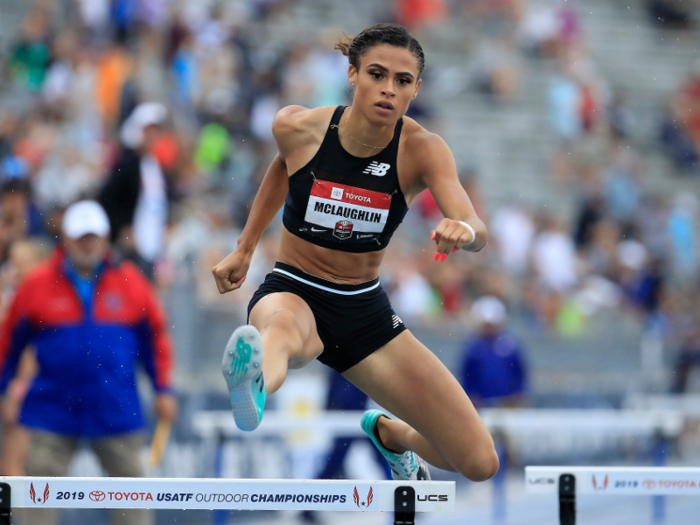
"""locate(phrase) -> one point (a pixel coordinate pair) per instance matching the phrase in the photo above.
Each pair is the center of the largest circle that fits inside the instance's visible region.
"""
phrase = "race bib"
(339, 212)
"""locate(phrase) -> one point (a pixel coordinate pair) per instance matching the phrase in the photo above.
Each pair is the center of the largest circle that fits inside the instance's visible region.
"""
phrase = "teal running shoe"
(242, 369)
(408, 465)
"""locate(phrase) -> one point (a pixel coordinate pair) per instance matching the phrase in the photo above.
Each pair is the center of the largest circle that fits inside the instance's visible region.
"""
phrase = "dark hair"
(392, 34)
(15, 185)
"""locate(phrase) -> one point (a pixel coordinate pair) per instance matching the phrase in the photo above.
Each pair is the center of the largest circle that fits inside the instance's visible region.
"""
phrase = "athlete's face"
(385, 83)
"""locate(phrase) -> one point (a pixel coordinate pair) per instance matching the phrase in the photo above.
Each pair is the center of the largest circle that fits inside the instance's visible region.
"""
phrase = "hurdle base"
(5, 504)
(567, 499)
(404, 506)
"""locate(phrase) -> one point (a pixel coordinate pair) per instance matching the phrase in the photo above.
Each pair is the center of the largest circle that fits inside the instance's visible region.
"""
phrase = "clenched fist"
(231, 272)
(450, 236)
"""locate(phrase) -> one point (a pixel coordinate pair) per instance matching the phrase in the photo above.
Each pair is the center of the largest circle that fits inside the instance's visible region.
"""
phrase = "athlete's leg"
(437, 419)
(289, 337)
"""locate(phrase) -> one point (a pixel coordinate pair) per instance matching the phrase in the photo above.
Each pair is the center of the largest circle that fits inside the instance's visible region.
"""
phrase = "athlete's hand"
(450, 236)
(231, 272)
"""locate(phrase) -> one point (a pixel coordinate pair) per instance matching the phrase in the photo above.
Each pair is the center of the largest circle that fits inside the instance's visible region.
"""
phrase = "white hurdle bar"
(404, 498)
(567, 482)
(630, 422)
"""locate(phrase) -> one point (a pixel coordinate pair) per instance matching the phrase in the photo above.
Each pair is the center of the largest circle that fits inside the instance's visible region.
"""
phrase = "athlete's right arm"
(230, 273)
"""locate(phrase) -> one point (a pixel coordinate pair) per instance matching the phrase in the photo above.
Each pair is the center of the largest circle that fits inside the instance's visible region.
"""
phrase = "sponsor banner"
(135, 493)
(340, 193)
(642, 481)
(346, 212)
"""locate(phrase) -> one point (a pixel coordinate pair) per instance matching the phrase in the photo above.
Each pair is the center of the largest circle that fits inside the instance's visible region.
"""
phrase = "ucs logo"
(433, 497)
(540, 481)
(97, 495)
(33, 496)
(360, 504)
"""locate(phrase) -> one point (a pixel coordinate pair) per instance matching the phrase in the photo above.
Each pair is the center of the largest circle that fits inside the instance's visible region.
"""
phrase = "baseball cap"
(144, 115)
(85, 217)
(489, 309)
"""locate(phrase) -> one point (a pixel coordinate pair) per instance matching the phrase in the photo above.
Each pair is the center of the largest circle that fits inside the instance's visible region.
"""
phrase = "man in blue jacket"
(92, 322)
(493, 370)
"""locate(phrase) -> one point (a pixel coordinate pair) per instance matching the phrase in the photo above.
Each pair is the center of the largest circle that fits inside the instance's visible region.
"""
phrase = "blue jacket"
(88, 347)
(493, 367)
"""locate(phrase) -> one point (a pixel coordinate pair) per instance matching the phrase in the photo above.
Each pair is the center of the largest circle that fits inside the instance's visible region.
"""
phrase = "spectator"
(646, 289)
(494, 69)
(677, 143)
(85, 386)
(412, 294)
(185, 75)
(539, 29)
(688, 359)
(415, 14)
(112, 72)
(681, 129)
(682, 234)
(670, 14)
(513, 230)
(554, 257)
(30, 56)
(135, 195)
(493, 370)
(621, 185)
(24, 256)
(20, 215)
(600, 255)
(63, 179)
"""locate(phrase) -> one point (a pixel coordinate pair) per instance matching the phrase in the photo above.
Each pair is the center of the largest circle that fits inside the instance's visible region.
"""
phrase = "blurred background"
(576, 130)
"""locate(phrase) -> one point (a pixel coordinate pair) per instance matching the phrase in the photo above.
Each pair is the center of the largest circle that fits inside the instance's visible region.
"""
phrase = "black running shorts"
(353, 320)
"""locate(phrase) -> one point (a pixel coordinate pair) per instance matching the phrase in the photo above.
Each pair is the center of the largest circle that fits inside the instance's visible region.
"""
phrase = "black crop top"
(343, 202)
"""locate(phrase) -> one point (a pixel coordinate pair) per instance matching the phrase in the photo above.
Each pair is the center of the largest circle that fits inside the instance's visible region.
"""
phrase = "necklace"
(353, 138)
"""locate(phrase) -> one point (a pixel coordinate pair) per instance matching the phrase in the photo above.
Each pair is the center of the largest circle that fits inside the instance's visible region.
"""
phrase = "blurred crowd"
(627, 250)
(76, 73)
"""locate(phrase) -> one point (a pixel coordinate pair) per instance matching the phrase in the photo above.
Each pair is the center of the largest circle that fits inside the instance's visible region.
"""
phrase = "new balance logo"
(396, 320)
(377, 169)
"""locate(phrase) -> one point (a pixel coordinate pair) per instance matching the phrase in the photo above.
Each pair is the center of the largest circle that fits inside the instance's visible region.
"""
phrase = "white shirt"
(151, 214)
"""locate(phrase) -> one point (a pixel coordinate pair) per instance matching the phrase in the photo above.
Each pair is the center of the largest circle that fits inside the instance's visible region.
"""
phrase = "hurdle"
(658, 424)
(568, 482)
(213, 423)
(403, 498)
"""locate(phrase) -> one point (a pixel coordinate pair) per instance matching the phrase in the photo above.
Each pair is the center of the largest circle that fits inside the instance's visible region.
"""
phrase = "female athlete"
(347, 177)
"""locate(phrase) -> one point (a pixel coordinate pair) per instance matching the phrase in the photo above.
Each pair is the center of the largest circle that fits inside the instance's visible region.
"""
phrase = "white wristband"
(471, 229)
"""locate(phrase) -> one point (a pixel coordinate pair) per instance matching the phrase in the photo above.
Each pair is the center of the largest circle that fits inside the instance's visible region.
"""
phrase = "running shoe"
(408, 465)
(242, 368)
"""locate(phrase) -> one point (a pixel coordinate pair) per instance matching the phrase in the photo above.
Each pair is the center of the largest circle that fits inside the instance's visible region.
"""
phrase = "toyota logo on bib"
(343, 229)
(97, 495)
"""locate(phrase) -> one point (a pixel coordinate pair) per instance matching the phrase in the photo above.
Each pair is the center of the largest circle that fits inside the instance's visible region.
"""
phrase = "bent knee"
(486, 467)
(482, 465)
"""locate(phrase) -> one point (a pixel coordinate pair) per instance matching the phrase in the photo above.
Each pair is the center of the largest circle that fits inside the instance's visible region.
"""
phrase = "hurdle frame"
(5, 503)
(569, 481)
(404, 498)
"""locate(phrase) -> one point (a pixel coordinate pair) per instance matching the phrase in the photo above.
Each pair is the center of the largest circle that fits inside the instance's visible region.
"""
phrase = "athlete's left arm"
(461, 228)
